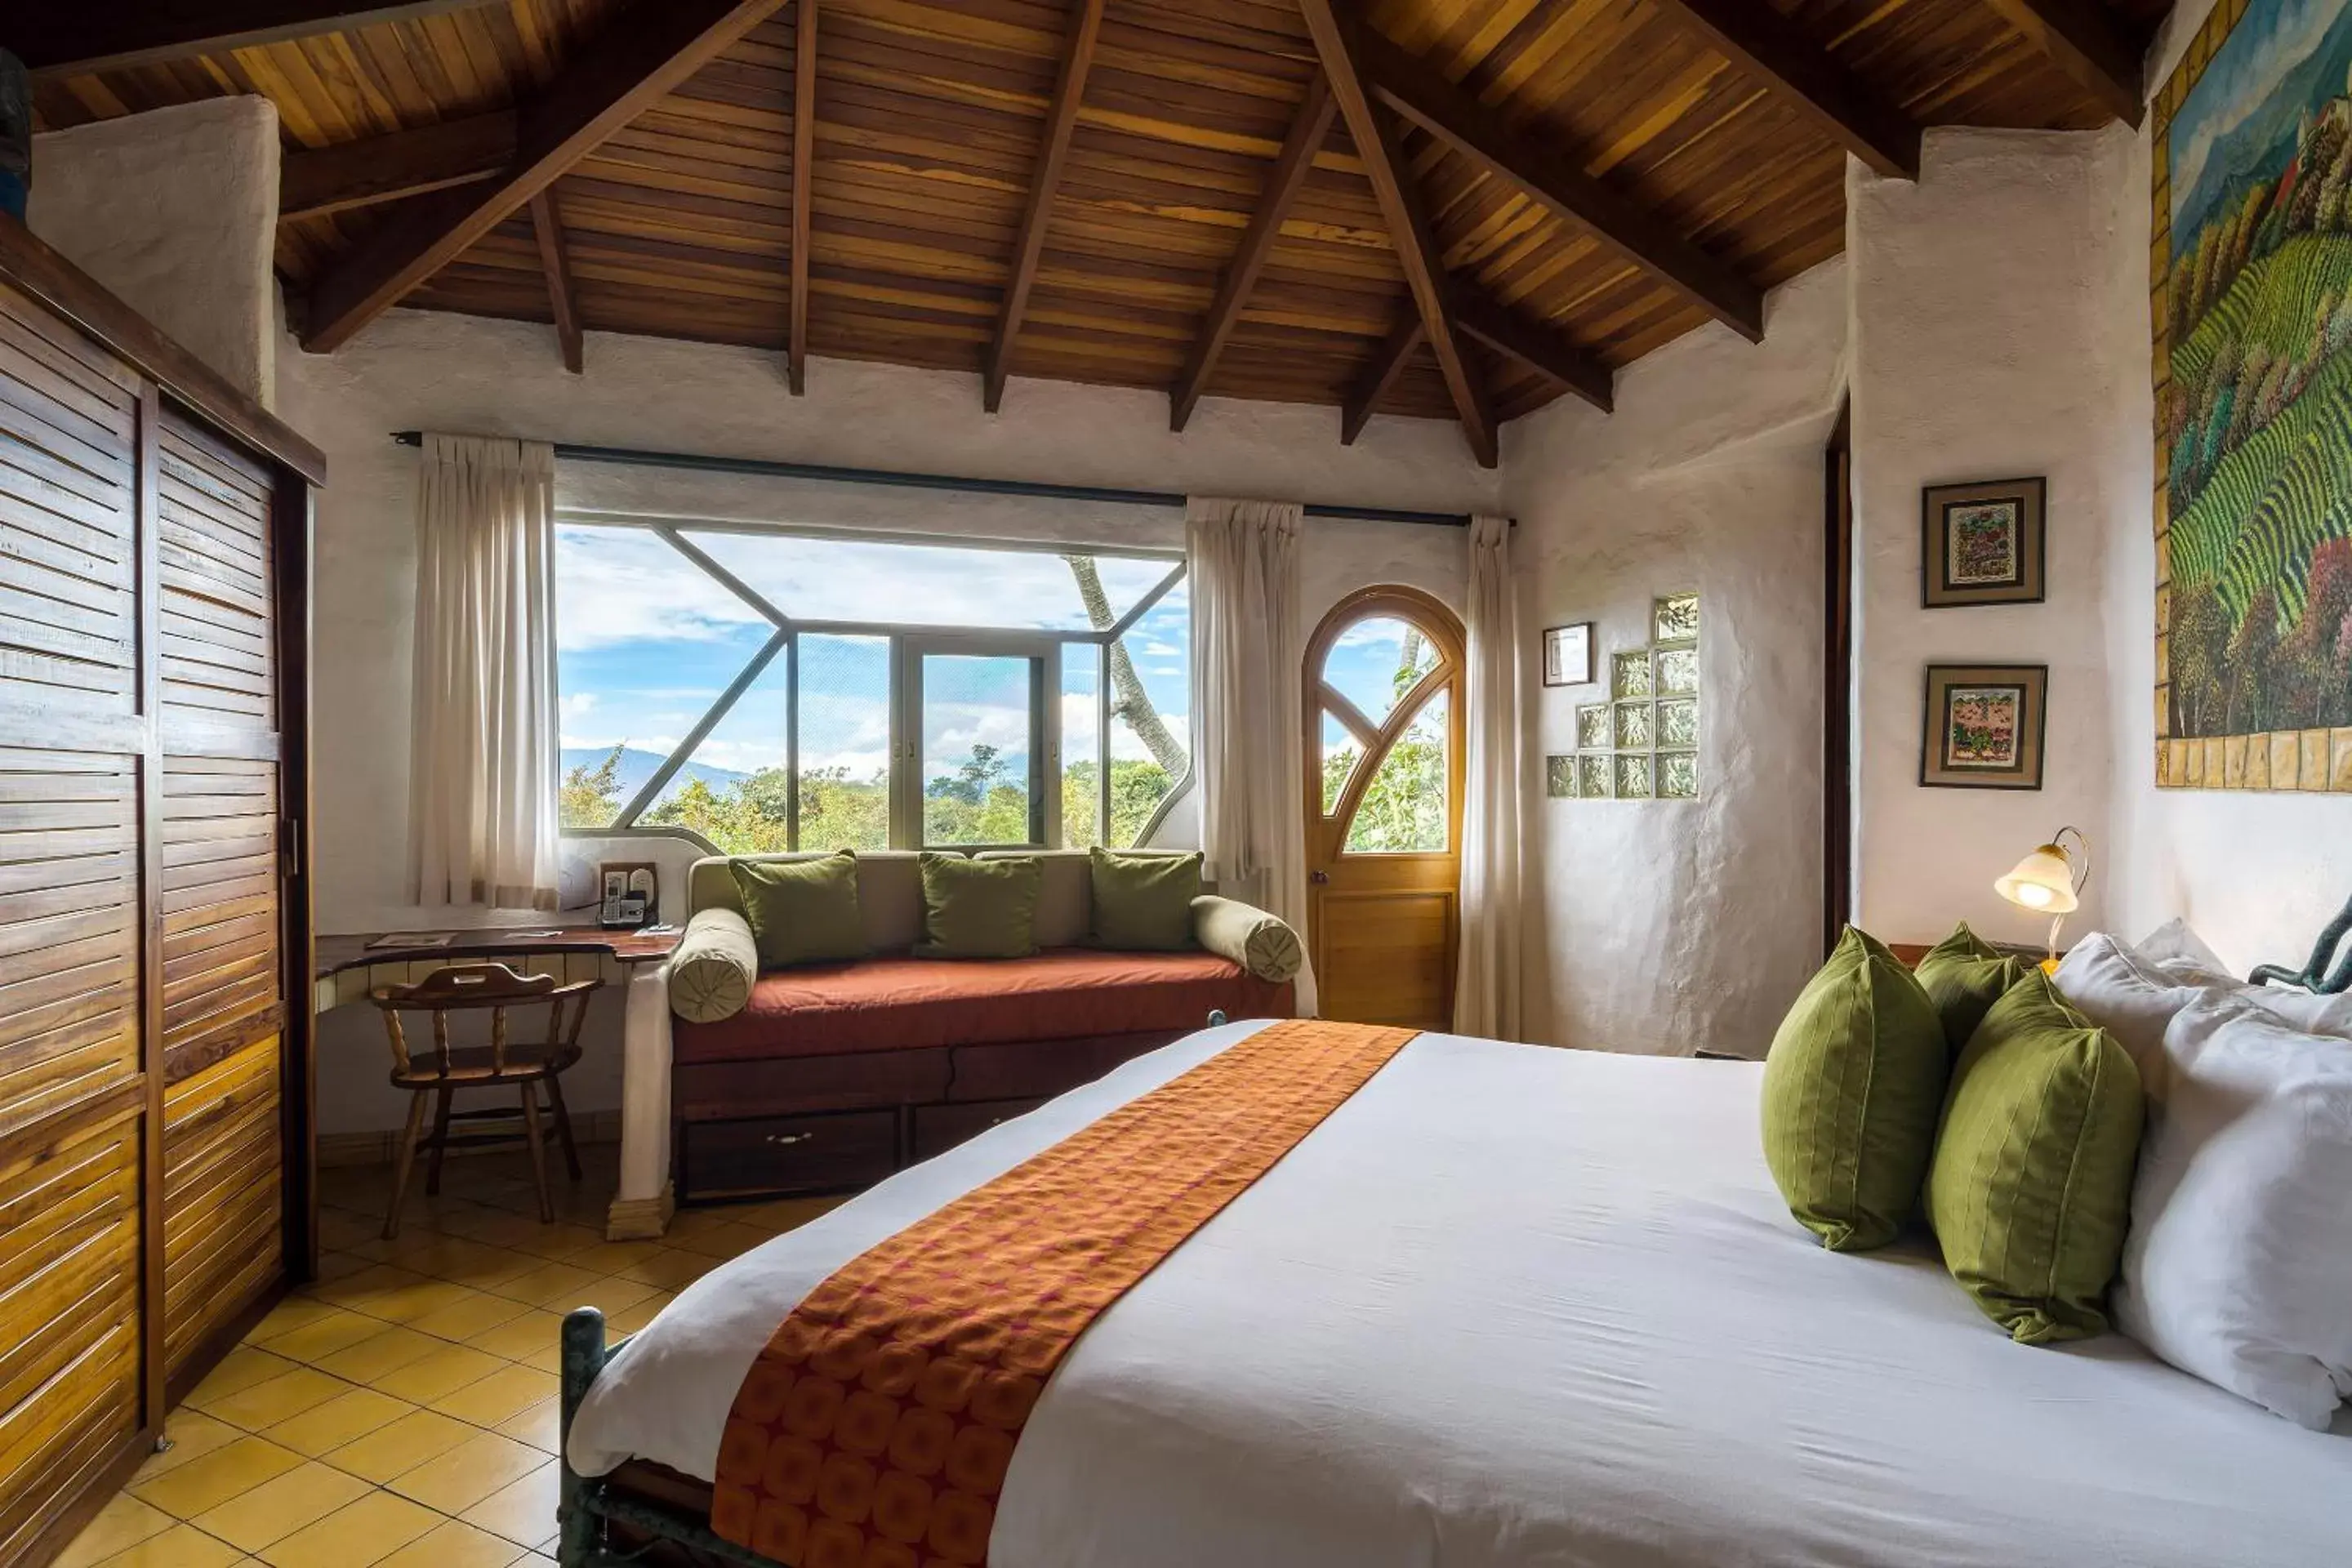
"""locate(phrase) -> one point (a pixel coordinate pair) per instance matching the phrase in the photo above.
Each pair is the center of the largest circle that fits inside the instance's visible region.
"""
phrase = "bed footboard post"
(583, 1358)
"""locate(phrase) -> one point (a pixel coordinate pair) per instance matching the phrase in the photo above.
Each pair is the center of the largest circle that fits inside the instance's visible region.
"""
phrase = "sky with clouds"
(2270, 39)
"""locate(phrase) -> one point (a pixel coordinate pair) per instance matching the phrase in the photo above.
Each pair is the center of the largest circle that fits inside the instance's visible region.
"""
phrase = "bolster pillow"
(1259, 942)
(711, 973)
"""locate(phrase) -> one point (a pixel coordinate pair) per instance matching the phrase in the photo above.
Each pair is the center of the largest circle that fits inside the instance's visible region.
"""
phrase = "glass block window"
(1629, 674)
(1642, 744)
(1674, 618)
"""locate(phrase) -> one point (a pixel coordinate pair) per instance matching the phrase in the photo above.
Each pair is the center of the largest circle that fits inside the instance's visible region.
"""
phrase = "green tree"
(591, 796)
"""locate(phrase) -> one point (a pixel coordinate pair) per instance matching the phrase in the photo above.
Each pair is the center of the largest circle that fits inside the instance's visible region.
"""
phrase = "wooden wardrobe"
(154, 909)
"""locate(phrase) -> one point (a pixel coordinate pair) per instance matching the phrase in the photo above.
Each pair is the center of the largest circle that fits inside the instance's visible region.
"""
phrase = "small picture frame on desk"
(631, 895)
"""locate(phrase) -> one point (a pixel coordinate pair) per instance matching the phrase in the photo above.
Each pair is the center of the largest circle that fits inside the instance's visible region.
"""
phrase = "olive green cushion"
(711, 973)
(2030, 1189)
(1262, 944)
(801, 911)
(1143, 901)
(979, 908)
(1851, 1090)
(1964, 974)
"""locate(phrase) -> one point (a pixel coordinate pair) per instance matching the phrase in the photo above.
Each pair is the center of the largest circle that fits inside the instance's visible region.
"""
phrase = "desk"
(346, 969)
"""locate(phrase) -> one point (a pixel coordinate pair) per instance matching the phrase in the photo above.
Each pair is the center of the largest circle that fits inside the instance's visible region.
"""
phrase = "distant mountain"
(637, 766)
(2261, 148)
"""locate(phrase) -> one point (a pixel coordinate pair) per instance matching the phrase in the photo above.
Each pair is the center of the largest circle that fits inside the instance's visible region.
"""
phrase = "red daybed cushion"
(906, 1004)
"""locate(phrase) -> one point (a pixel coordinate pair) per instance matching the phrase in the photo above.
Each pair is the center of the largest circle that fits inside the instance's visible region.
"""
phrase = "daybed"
(1510, 1305)
(832, 1076)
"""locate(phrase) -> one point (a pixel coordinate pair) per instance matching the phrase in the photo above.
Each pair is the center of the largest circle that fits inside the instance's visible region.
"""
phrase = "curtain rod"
(772, 469)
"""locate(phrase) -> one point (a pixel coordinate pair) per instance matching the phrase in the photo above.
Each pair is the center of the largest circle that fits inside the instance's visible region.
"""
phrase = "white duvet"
(1516, 1306)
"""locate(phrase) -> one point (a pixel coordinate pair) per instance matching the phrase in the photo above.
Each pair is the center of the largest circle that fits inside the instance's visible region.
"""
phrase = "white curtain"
(482, 825)
(1486, 986)
(1247, 746)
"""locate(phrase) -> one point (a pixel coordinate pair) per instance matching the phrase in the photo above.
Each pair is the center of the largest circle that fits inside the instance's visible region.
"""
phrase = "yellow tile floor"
(401, 1412)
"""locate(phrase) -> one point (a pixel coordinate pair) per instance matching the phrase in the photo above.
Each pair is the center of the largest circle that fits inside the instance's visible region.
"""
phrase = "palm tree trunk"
(1129, 698)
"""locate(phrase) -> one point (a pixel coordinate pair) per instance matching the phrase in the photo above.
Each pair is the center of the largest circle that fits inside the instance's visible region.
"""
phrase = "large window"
(772, 690)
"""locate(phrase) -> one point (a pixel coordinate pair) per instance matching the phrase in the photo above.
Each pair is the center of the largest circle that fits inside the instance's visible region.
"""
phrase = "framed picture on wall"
(1568, 655)
(1982, 726)
(1981, 543)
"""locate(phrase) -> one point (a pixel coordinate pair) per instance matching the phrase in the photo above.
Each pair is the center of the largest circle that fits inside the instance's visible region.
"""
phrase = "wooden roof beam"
(1375, 132)
(1765, 45)
(1380, 376)
(647, 51)
(804, 156)
(2083, 40)
(59, 38)
(313, 181)
(555, 261)
(1538, 345)
(1309, 128)
(1061, 120)
(1470, 128)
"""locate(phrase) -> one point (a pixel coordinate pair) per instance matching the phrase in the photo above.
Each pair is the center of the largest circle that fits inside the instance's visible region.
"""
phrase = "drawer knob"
(790, 1136)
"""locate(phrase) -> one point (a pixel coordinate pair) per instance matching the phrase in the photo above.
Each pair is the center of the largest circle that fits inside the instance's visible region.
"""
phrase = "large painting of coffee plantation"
(2257, 420)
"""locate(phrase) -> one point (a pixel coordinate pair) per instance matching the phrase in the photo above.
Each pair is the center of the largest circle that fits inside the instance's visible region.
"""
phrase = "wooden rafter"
(2083, 40)
(1061, 120)
(312, 181)
(57, 38)
(804, 156)
(555, 261)
(1375, 133)
(1479, 133)
(1538, 345)
(1380, 375)
(649, 50)
(1309, 128)
(1767, 45)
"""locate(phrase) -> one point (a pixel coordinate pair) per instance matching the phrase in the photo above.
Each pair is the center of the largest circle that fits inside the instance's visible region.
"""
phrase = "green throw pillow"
(801, 911)
(1851, 1090)
(979, 909)
(1964, 974)
(2030, 1189)
(1143, 901)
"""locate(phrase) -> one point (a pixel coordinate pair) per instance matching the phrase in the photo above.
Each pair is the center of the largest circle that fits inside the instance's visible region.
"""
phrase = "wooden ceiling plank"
(313, 181)
(647, 51)
(1767, 45)
(1380, 376)
(1539, 347)
(1374, 132)
(1470, 128)
(1061, 120)
(62, 40)
(803, 167)
(2083, 40)
(556, 261)
(1308, 131)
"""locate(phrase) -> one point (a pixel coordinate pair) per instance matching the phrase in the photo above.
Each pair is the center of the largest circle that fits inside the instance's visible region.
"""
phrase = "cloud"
(617, 586)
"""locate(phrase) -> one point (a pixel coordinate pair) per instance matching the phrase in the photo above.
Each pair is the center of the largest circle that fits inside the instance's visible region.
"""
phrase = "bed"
(1508, 1305)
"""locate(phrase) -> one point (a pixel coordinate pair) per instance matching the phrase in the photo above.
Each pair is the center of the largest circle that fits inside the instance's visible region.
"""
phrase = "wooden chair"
(473, 988)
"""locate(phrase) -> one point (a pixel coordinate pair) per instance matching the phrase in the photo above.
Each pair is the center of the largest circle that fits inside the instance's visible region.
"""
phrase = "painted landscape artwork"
(2254, 320)
(1982, 730)
(1984, 544)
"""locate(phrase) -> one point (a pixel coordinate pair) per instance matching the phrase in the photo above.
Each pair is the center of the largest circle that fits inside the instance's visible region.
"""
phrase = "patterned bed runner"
(875, 1428)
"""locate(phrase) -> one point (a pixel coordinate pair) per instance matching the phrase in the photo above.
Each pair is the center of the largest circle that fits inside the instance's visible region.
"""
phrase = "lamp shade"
(2043, 881)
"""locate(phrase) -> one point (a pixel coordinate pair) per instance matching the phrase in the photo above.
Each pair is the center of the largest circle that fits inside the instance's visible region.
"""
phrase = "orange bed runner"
(875, 1430)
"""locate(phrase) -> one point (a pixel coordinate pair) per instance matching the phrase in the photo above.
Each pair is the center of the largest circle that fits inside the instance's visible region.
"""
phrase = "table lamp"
(2049, 882)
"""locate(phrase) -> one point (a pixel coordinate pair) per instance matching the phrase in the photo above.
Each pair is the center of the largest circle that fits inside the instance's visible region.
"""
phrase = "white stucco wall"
(1663, 926)
(176, 212)
(2256, 874)
(420, 370)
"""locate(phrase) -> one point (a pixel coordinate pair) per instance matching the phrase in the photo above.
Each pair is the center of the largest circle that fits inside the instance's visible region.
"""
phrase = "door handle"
(1318, 876)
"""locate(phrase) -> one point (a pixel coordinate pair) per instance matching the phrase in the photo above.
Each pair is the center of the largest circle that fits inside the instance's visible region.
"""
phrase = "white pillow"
(2238, 1267)
(2176, 948)
(2104, 981)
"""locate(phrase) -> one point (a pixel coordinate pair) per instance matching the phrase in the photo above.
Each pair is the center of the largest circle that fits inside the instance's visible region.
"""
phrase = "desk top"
(333, 954)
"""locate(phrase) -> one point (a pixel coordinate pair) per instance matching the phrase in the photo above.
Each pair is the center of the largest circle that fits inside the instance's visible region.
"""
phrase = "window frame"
(1045, 648)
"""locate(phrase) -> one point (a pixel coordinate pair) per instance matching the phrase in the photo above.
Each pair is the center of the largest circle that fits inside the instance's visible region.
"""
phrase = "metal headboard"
(2315, 975)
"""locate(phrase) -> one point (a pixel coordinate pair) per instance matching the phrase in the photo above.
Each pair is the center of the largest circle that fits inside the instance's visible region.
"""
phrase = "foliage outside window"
(1374, 667)
(652, 639)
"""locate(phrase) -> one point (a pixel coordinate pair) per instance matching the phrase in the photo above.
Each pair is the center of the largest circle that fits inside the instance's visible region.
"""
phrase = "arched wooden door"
(1383, 800)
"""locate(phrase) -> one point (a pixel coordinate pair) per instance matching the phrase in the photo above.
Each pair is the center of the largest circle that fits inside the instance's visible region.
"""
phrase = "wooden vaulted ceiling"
(1444, 208)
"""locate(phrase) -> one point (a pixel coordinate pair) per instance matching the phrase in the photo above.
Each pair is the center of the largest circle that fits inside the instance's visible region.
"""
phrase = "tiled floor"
(401, 1413)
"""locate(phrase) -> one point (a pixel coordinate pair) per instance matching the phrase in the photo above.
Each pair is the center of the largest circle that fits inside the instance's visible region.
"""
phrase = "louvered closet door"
(72, 1127)
(223, 1009)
